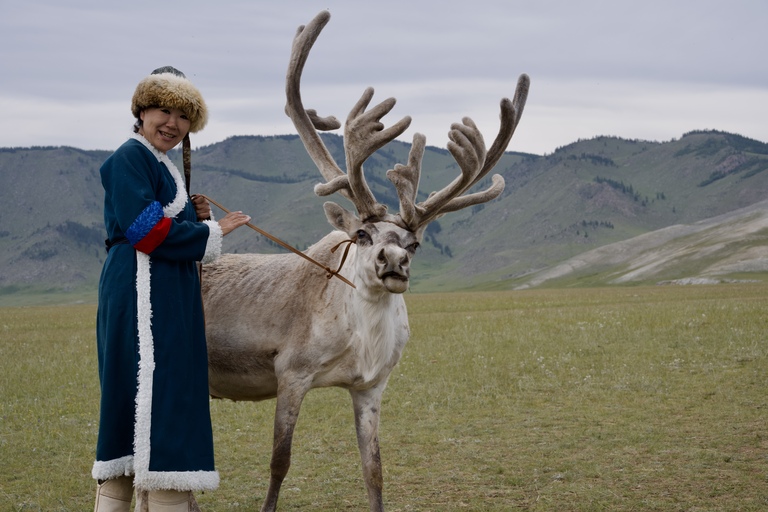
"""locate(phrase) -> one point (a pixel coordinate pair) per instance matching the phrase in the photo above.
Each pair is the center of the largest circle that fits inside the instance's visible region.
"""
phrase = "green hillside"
(581, 197)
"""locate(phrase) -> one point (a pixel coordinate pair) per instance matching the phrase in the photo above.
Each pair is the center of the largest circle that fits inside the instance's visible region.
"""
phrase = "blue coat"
(153, 367)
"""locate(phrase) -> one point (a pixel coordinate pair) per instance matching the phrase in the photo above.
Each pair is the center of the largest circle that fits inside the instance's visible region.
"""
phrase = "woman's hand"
(229, 223)
(232, 221)
(202, 207)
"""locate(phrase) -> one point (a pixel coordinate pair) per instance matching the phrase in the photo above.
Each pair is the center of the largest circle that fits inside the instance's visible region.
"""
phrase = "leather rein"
(329, 273)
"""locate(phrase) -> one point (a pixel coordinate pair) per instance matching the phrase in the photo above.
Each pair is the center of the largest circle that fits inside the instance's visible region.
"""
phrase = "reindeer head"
(388, 240)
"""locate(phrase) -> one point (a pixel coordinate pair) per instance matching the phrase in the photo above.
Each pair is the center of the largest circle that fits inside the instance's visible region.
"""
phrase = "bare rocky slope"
(728, 247)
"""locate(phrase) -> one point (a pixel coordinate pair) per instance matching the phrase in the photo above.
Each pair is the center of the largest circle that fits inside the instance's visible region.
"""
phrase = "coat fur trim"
(108, 469)
(170, 90)
(144, 478)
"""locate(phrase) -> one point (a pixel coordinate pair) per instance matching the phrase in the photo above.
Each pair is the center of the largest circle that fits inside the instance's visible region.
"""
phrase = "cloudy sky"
(649, 70)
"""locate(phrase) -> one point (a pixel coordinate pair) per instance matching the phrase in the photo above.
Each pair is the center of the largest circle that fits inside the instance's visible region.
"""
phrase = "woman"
(155, 427)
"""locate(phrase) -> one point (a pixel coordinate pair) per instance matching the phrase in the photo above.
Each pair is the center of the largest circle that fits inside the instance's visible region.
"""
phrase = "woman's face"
(164, 127)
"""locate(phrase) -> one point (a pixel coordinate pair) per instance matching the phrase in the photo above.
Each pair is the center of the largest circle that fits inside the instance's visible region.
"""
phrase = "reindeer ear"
(341, 218)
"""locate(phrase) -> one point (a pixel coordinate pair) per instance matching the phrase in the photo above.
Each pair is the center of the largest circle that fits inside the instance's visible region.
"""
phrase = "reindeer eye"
(362, 236)
(412, 248)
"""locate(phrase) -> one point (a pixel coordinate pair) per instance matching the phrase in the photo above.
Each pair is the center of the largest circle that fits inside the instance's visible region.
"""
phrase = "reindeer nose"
(393, 259)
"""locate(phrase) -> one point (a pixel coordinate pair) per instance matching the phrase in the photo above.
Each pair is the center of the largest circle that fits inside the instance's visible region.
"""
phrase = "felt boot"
(166, 501)
(114, 495)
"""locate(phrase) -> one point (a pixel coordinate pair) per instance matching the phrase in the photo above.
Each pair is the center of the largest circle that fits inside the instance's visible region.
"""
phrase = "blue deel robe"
(153, 367)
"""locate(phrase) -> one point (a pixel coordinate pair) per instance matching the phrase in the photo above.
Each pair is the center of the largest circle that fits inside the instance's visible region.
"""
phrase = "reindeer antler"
(364, 134)
(306, 121)
(468, 149)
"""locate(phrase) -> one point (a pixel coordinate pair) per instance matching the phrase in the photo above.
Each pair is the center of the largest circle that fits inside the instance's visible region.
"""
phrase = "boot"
(166, 501)
(114, 495)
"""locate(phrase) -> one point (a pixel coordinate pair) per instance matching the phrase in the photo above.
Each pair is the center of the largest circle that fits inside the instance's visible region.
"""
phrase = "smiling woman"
(154, 425)
(164, 127)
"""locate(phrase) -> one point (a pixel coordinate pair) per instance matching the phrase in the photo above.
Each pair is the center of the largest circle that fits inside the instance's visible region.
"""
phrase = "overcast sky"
(649, 70)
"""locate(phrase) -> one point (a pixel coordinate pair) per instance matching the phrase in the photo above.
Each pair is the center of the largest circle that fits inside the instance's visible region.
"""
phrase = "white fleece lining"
(173, 208)
(141, 435)
(213, 246)
(144, 478)
(106, 469)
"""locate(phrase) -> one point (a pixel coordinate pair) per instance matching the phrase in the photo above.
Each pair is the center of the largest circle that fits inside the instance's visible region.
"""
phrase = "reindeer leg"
(290, 395)
(367, 405)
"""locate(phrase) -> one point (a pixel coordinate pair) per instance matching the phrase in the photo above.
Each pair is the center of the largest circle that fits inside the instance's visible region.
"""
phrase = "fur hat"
(169, 87)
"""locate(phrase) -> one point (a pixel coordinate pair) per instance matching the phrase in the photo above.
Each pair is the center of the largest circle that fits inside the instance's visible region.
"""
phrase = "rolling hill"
(562, 219)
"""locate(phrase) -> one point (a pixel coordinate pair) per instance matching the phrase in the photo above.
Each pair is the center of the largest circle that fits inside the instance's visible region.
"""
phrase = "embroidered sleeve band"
(149, 229)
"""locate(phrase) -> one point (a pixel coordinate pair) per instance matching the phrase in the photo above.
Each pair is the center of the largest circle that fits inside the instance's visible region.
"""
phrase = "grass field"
(616, 399)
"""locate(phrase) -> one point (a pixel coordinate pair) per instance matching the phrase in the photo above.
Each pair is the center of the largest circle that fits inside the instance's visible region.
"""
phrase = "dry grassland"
(621, 399)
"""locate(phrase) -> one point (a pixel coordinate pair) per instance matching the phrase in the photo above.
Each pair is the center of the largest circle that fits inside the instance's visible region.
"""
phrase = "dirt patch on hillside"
(734, 243)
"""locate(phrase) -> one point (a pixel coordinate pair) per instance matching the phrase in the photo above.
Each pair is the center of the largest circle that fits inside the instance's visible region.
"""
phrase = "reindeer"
(276, 327)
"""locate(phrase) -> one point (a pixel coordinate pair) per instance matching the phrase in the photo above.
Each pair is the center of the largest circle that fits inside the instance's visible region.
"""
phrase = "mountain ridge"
(585, 195)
